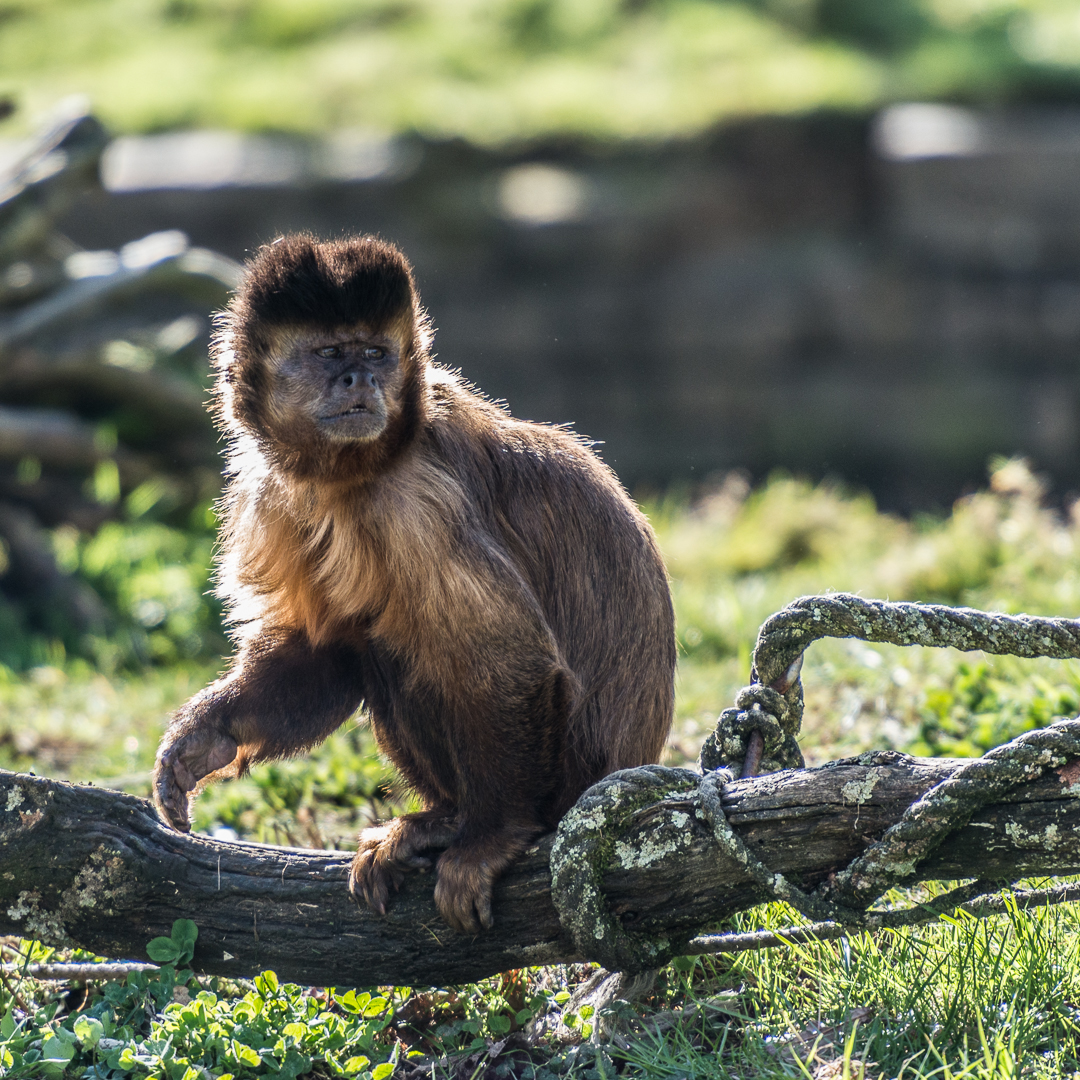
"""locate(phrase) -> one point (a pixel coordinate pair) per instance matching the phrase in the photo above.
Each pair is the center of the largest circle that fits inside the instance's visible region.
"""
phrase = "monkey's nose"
(357, 378)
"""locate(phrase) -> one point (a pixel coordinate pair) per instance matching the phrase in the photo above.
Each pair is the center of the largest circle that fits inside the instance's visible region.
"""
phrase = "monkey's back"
(592, 563)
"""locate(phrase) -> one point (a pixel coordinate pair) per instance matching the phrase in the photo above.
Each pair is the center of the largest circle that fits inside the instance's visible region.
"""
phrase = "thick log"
(87, 866)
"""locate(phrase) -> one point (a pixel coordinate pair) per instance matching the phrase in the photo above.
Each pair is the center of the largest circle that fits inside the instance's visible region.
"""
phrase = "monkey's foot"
(181, 765)
(463, 891)
(387, 852)
(467, 872)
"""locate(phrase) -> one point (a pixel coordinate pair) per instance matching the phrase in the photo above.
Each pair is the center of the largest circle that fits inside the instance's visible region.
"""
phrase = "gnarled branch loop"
(585, 847)
(772, 706)
(949, 806)
(784, 637)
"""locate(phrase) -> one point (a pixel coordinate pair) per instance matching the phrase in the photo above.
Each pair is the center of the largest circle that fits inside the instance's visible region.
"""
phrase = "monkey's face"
(343, 386)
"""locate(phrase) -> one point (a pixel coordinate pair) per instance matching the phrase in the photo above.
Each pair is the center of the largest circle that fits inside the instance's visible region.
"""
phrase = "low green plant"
(155, 579)
(152, 1025)
(153, 582)
(178, 948)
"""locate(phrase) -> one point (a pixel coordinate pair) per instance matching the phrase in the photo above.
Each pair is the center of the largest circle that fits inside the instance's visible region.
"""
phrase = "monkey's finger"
(175, 813)
(375, 892)
(171, 800)
(357, 874)
(172, 765)
(361, 890)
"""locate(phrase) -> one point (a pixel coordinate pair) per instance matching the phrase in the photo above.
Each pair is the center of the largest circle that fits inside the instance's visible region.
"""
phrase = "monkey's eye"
(330, 352)
(373, 352)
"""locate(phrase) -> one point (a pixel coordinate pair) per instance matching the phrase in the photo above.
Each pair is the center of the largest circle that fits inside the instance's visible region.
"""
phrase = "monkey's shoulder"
(464, 422)
(538, 485)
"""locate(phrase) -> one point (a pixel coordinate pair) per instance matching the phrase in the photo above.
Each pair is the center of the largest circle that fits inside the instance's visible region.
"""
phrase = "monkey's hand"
(181, 764)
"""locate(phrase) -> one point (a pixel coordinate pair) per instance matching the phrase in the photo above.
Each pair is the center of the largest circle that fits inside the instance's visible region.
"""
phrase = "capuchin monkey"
(481, 586)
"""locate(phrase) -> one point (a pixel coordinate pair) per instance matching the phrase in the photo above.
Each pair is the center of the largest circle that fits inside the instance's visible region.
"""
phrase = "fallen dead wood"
(87, 866)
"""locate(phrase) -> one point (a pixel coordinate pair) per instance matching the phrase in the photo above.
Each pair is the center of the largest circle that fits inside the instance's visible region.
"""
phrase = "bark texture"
(88, 866)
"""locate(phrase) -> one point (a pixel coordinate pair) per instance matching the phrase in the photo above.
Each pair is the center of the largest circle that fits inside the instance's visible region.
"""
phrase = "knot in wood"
(758, 709)
(764, 699)
(582, 852)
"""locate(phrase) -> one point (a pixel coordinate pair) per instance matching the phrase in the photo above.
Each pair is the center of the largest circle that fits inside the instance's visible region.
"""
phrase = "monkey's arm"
(282, 695)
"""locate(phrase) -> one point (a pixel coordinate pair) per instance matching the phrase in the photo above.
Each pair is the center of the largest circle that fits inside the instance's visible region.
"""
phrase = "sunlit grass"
(504, 70)
(964, 997)
(737, 556)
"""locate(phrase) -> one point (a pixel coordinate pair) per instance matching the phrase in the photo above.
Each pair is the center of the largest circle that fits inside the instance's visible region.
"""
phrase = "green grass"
(964, 998)
(738, 556)
(503, 70)
(961, 998)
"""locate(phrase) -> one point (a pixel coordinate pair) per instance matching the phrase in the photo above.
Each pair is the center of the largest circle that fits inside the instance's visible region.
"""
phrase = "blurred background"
(840, 237)
(803, 268)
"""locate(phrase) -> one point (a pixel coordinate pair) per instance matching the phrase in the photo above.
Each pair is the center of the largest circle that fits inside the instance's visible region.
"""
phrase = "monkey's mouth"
(363, 421)
(353, 410)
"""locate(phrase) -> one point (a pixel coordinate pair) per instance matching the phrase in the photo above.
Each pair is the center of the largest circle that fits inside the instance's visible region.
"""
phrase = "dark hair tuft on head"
(299, 280)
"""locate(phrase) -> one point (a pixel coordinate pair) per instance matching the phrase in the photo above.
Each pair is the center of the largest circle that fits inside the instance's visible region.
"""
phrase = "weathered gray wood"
(203, 276)
(57, 165)
(94, 867)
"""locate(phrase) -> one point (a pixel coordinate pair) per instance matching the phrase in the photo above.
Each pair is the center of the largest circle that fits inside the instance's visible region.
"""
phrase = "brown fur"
(482, 585)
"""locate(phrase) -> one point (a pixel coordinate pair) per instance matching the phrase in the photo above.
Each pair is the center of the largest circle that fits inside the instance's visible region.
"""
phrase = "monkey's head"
(321, 352)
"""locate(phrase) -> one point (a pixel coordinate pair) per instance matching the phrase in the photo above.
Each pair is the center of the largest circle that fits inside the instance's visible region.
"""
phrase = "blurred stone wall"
(888, 301)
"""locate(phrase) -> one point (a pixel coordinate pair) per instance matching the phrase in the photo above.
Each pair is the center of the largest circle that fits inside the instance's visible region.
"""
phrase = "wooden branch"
(59, 439)
(87, 866)
(175, 407)
(164, 263)
(59, 164)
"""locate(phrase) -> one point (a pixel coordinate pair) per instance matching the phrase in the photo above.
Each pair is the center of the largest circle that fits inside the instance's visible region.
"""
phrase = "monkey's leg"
(281, 696)
(386, 852)
(506, 796)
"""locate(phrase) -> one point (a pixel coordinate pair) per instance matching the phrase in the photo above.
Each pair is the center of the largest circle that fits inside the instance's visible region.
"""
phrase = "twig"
(980, 908)
(75, 972)
(755, 746)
